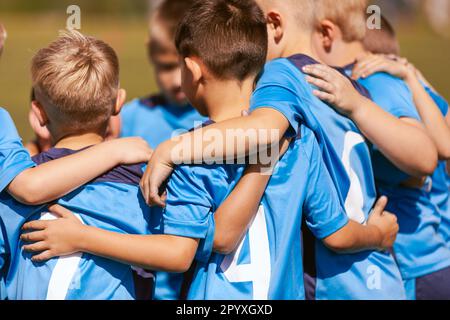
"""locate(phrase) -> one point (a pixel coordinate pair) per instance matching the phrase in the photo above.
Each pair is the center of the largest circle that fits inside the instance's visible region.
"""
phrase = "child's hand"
(157, 173)
(396, 66)
(129, 150)
(54, 238)
(385, 222)
(334, 88)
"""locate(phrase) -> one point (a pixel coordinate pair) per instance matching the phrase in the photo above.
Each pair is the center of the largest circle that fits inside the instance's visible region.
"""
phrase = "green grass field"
(28, 32)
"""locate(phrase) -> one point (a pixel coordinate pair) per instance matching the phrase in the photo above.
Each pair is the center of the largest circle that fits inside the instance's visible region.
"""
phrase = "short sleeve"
(439, 100)
(14, 158)
(392, 95)
(278, 89)
(323, 211)
(189, 208)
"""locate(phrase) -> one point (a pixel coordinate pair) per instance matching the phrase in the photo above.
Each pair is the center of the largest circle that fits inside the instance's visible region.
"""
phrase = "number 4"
(258, 271)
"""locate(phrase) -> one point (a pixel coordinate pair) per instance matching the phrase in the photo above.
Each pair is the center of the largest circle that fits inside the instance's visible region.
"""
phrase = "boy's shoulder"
(148, 103)
(124, 174)
(7, 124)
(211, 182)
(392, 94)
(280, 70)
(385, 82)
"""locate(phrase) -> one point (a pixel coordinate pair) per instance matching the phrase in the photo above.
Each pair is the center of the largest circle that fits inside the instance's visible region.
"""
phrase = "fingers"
(35, 225)
(44, 256)
(36, 247)
(61, 211)
(144, 184)
(320, 71)
(380, 205)
(33, 236)
(154, 197)
(324, 96)
(369, 70)
(321, 84)
(361, 68)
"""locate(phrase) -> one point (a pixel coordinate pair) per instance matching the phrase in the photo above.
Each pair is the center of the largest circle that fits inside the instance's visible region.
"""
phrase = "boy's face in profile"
(166, 62)
(2, 38)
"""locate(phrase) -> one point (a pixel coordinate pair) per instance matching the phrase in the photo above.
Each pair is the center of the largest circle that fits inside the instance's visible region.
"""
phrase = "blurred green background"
(32, 24)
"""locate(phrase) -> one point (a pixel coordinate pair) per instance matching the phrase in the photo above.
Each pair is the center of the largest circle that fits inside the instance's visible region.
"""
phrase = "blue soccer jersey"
(440, 194)
(111, 202)
(366, 275)
(14, 159)
(419, 248)
(156, 120)
(268, 261)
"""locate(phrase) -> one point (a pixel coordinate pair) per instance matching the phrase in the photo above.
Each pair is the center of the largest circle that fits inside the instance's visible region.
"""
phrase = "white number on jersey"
(354, 203)
(259, 269)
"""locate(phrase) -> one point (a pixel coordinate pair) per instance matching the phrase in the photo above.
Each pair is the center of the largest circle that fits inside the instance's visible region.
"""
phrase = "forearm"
(54, 179)
(234, 216)
(407, 146)
(229, 139)
(431, 116)
(353, 238)
(154, 252)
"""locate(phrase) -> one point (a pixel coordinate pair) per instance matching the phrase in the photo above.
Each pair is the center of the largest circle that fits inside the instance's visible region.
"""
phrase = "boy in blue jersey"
(21, 179)
(267, 263)
(384, 43)
(283, 98)
(421, 252)
(76, 84)
(158, 117)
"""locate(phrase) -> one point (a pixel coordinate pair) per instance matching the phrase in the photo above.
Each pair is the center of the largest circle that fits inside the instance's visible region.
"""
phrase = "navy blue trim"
(154, 100)
(302, 60)
(203, 125)
(127, 174)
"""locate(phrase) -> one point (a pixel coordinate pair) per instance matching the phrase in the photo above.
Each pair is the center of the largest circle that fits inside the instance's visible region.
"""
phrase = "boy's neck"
(228, 99)
(346, 53)
(78, 142)
(301, 45)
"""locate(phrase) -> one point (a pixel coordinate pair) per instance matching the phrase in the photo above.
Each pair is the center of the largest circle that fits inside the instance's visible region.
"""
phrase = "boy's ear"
(40, 113)
(120, 101)
(275, 25)
(328, 33)
(194, 68)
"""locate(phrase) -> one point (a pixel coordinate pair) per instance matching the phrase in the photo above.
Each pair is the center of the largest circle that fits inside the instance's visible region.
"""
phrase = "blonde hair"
(78, 78)
(302, 10)
(349, 15)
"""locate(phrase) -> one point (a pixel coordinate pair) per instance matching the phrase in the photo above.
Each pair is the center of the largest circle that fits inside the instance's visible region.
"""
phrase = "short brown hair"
(168, 14)
(78, 76)
(229, 36)
(301, 10)
(2, 37)
(383, 40)
(349, 15)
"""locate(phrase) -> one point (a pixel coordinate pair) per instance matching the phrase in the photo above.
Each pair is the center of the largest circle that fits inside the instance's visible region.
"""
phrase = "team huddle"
(355, 205)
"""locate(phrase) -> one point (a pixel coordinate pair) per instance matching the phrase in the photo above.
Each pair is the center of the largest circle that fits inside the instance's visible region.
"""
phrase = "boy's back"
(111, 202)
(347, 158)
(268, 262)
